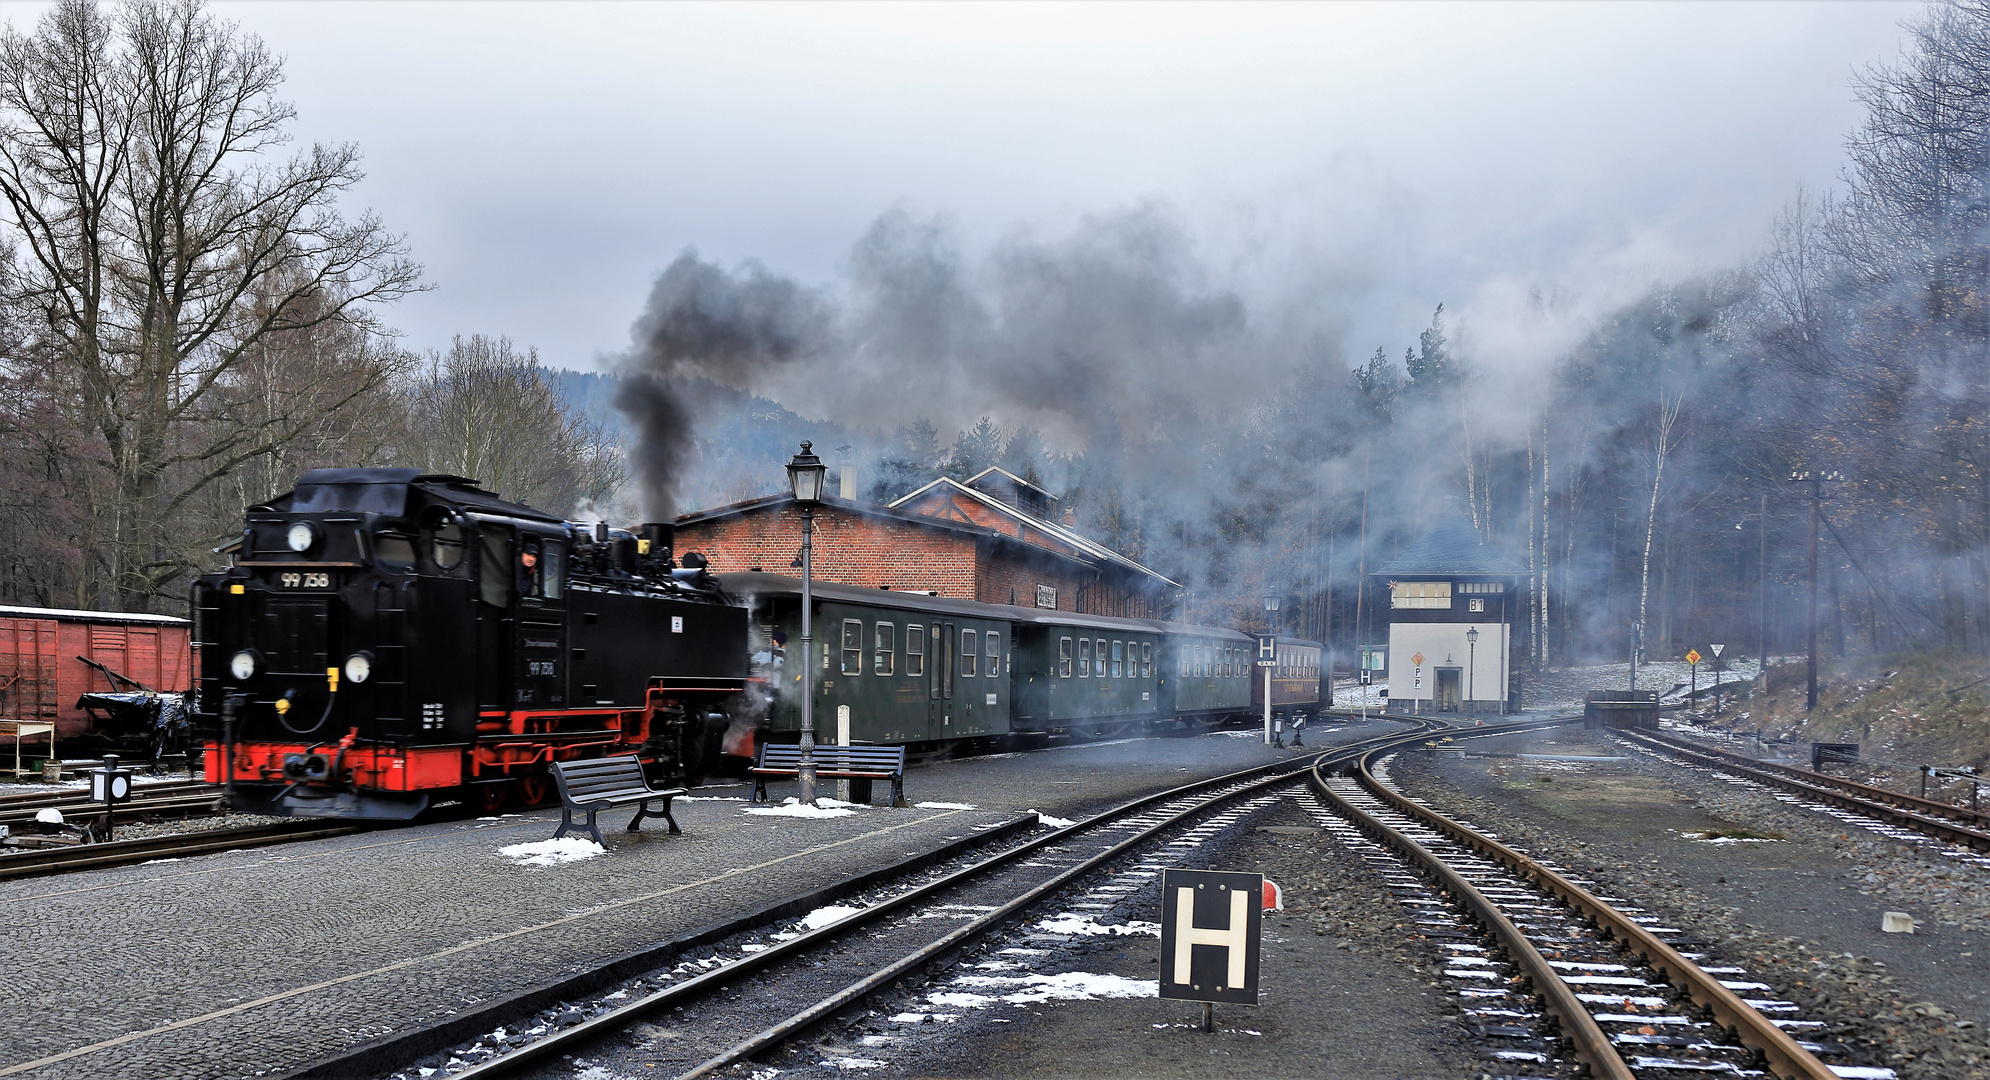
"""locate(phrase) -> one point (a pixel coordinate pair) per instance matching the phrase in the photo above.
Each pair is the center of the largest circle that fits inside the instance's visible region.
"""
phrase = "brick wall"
(849, 549)
(853, 549)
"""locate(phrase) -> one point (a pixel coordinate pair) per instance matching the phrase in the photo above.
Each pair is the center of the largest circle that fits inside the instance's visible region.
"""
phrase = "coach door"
(941, 681)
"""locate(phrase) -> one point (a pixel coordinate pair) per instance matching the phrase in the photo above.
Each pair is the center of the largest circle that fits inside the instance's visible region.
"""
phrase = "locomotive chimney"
(661, 535)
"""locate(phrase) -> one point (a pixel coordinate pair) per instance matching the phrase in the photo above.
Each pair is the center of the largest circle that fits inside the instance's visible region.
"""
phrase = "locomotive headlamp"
(301, 537)
(358, 667)
(244, 665)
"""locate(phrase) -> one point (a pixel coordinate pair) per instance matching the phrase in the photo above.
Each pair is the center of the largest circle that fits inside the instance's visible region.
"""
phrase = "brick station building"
(994, 538)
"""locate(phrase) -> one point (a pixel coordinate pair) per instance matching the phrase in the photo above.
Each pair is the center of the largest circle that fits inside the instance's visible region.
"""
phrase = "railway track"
(39, 862)
(1551, 971)
(1957, 825)
(906, 931)
(176, 798)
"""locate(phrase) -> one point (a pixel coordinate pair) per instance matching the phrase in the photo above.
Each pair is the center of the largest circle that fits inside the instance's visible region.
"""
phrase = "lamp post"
(1271, 609)
(805, 478)
(1471, 666)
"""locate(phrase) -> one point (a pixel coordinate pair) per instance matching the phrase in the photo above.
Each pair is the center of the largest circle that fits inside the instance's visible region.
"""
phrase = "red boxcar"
(42, 654)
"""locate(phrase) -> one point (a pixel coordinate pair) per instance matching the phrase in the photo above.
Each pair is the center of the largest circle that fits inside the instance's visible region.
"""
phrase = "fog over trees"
(192, 312)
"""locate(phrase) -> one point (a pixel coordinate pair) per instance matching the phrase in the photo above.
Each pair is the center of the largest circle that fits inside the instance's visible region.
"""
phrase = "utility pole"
(1815, 478)
(1762, 522)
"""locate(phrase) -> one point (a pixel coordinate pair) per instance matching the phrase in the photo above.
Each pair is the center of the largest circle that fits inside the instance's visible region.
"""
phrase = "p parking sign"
(1210, 926)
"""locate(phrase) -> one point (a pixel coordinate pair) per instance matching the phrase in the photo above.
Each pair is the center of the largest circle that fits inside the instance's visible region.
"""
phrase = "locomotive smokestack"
(661, 535)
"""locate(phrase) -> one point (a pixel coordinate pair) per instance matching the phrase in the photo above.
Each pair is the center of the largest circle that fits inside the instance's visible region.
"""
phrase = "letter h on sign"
(1210, 925)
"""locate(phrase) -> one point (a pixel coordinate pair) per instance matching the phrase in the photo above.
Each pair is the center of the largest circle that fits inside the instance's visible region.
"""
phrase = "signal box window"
(1084, 658)
(915, 650)
(884, 661)
(1099, 658)
(1116, 655)
(968, 648)
(994, 654)
(1146, 659)
(1064, 658)
(853, 647)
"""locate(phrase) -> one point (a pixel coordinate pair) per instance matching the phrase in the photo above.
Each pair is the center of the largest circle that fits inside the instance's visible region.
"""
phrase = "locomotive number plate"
(305, 580)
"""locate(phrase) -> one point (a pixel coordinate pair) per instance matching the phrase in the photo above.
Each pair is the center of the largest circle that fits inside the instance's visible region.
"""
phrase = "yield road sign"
(1210, 926)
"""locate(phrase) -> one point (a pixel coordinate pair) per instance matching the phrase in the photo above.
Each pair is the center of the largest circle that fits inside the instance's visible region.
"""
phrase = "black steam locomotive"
(386, 638)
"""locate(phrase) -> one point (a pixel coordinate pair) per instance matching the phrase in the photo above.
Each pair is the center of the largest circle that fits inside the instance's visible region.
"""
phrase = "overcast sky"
(546, 160)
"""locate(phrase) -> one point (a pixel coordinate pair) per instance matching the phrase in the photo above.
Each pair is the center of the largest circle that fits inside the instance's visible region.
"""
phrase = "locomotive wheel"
(535, 789)
(492, 797)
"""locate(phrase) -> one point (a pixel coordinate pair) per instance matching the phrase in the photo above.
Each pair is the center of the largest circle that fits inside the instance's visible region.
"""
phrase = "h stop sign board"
(1210, 926)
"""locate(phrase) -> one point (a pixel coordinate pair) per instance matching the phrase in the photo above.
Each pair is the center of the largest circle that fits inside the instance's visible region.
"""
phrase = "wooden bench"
(864, 763)
(599, 784)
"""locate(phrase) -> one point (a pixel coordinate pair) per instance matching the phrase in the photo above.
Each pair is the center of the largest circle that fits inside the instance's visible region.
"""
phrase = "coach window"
(1084, 658)
(494, 571)
(994, 653)
(885, 661)
(969, 646)
(1116, 656)
(1064, 658)
(853, 646)
(1099, 658)
(1146, 659)
(915, 650)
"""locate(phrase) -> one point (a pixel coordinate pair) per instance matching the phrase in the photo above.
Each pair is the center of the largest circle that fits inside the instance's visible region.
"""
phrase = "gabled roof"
(1451, 546)
(994, 478)
(1090, 548)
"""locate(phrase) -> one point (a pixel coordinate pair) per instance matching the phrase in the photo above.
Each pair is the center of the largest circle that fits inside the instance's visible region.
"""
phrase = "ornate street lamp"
(1471, 667)
(806, 473)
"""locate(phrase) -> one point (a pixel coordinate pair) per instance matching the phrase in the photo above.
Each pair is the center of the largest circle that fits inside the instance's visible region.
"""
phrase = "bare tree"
(163, 247)
(487, 411)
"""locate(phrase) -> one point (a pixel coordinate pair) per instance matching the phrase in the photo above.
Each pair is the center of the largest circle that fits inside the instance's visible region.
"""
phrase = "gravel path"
(1791, 893)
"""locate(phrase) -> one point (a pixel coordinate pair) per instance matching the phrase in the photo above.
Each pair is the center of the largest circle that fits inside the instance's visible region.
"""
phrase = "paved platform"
(251, 962)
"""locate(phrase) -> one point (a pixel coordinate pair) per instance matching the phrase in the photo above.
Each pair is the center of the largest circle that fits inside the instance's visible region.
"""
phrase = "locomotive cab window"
(393, 551)
(1064, 658)
(443, 538)
(884, 660)
(853, 647)
(915, 649)
(969, 646)
(494, 572)
(994, 641)
(552, 568)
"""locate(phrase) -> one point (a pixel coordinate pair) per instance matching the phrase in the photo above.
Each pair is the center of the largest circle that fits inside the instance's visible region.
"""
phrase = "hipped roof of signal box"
(1451, 547)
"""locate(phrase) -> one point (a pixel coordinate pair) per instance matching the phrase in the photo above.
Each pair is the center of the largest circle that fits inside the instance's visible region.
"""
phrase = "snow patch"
(1065, 986)
(1072, 923)
(792, 807)
(823, 916)
(553, 852)
(944, 806)
(711, 798)
(854, 1063)
(961, 1001)
(1054, 822)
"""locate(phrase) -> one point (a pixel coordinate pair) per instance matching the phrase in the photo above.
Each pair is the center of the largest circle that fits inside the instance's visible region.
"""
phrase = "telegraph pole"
(1816, 479)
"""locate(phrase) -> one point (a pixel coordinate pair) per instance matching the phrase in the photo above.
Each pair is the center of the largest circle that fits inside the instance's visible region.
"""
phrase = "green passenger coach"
(891, 667)
(916, 669)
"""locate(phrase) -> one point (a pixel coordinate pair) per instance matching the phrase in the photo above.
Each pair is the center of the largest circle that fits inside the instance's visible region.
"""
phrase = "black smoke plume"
(702, 322)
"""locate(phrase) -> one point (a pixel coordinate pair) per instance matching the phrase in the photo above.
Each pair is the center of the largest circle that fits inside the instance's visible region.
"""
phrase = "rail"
(1780, 1052)
(1896, 807)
